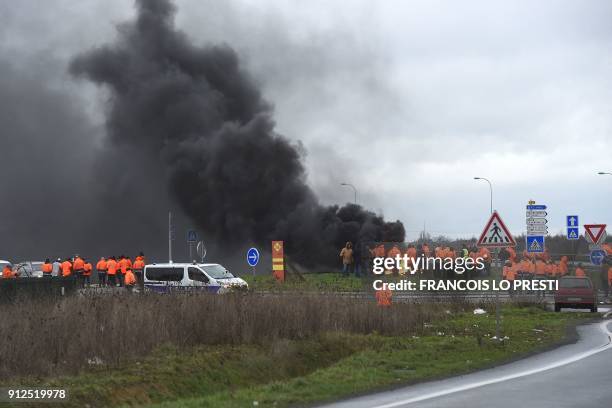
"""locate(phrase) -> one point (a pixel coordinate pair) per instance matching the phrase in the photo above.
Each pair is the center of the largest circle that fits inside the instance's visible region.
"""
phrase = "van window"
(197, 275)
(165, 274)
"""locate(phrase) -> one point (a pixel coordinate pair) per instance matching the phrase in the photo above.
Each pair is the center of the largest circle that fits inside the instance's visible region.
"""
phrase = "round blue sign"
(252, 256)
(597, 256)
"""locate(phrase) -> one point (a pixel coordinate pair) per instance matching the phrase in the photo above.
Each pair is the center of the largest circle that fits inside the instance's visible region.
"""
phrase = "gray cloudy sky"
(408, 100)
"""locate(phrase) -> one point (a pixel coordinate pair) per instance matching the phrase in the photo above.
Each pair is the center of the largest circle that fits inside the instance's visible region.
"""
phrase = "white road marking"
(603, 327)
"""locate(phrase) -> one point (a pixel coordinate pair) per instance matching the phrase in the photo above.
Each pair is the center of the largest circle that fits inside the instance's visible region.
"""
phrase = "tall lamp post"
(490, 189)
(354, 189)
(601, 173)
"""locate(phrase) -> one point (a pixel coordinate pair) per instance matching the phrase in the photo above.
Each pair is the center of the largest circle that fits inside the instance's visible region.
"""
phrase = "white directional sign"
(495, 233)
(542, 229)
(536, 221)
(536, 213)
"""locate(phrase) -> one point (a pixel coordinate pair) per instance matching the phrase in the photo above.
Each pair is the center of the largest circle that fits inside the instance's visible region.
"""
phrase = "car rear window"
(165, 274)
(574, 283)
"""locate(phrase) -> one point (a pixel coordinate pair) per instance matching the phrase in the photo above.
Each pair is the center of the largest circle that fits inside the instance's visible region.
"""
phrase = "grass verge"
(325, 367)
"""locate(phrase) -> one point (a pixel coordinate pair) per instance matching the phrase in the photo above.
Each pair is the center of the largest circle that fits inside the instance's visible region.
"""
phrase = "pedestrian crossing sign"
(495, 234)
(572, 233)
(535, 244)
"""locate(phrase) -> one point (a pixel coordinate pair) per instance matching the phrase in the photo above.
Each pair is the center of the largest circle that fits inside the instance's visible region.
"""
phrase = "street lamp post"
(354, 189)
(490, 189)
(601, 173)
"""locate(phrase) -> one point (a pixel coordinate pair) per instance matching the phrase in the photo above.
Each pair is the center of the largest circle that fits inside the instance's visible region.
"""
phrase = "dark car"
(576, 292)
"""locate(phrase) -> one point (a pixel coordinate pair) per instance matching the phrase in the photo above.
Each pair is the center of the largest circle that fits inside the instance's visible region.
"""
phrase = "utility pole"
(170, 236)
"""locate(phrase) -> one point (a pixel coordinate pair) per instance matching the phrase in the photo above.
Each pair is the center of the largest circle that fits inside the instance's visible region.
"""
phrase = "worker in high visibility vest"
(579, 271)
(7, 273)
(130, 280)
(78, 267)
(87, 268)
(124, 264)
(66, 268)
(138, 269)
(47, 268)
(112, 271)
(101, 268)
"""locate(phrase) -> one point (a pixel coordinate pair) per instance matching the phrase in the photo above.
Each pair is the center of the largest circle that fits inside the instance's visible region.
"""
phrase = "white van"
(168, 277)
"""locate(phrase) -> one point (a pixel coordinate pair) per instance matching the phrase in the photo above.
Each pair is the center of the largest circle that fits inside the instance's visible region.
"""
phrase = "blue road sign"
(597, 256)
(536, 207)
(253, 256)
(572, 221)
(573, 233)
(535, 243)
(192, 236)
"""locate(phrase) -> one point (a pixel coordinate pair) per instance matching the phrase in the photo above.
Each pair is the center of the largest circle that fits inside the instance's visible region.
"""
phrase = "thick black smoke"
(190, 121)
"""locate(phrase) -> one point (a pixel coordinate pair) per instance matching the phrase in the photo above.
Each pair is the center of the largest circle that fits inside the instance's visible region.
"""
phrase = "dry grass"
(43, 338)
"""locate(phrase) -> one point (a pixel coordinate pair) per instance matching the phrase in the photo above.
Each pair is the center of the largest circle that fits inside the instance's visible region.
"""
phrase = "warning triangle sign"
(594, 232)
(535, 246)
(495, 234)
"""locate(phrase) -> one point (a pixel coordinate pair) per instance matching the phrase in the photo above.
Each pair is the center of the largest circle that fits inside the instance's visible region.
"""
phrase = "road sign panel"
(593, 247)
(536, 207)
(597, 256)
(573, 233)
(252, 256)
(572, 221)
(536, 221)
(192, 236)
(535, 244)
(595, 232)
(537, 229)
(495, 233)
(536, 213)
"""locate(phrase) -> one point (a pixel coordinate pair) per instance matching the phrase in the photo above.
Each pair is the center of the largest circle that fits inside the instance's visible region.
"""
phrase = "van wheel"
(557, 308)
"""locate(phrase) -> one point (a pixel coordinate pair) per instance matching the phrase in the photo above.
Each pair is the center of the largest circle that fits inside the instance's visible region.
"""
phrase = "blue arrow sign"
(572, 221)
(597, 256)
(535, 243)
(536, 207)
(252, 256)
(573, 233)
(192, 236)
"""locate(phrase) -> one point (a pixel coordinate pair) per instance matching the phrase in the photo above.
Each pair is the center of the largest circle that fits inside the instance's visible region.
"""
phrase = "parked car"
(169, 277)
(29, 269)
(576, 292)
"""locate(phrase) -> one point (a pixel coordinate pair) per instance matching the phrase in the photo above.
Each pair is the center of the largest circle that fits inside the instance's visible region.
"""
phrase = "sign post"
(278, 260)
(572, 225)
(496, 235)
(192, 238)
(536, 227)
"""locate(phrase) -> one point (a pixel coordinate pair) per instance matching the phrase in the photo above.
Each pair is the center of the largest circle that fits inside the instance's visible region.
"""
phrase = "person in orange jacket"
(111, 271)
(87, 268)
(130, 280)
(138, 269)
(101, 268)
(47, 268)
(66, 268)
(579, 271)
(78, 266)
(7, 273)
(124, 264)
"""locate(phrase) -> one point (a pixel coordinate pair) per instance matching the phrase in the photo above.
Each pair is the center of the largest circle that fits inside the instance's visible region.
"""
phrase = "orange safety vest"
(139, 264)
(124, 264)
(580, 271)
(101, 265)
(130, 279)
(47, 268)
(609, 274)
(87, 269)
(8, 273)
(78, 264)
(112, 267)
(66, 268)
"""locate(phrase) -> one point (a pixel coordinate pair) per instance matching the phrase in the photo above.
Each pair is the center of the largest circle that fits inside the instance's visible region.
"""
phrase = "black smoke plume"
(190, 121)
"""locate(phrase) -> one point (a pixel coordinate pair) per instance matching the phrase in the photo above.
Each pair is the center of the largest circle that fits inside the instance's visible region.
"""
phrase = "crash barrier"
(28, 288)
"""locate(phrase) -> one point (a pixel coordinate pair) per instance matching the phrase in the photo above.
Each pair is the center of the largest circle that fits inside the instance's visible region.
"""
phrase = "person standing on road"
(130, 280)
(138, 268)
(66, 268)
(347, 258)
(87, 267)
(78, 267)
(47, 269)
(56, 268)
(112, 271)
(7, 273)
(101, 267)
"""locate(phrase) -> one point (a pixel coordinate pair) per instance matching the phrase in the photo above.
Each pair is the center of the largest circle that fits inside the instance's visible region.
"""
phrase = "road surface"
(575, 375)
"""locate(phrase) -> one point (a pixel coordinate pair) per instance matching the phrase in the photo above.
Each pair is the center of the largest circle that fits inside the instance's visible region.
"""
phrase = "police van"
(208, 277)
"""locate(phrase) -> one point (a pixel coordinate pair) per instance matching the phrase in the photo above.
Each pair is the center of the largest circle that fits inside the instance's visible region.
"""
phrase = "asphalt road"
(575, 375)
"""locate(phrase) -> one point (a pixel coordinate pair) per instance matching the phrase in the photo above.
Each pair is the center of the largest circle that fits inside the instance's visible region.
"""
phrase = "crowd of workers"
(112, 271)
